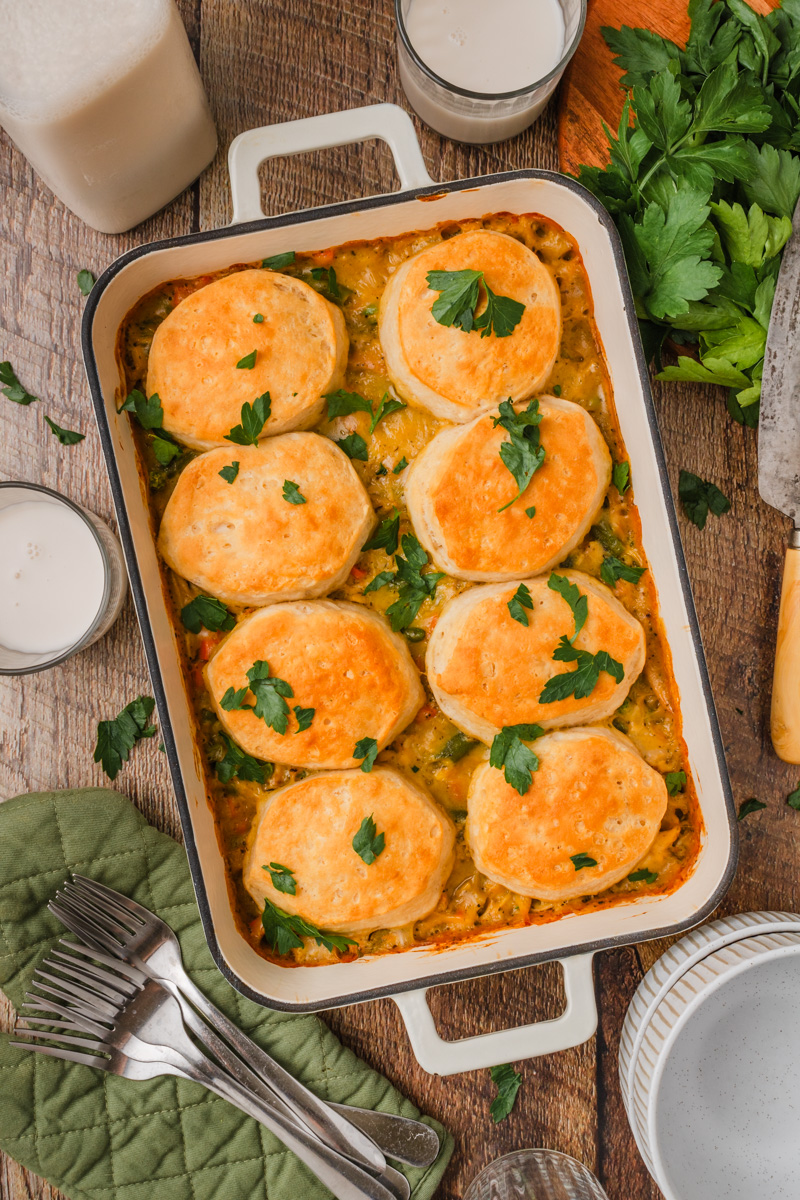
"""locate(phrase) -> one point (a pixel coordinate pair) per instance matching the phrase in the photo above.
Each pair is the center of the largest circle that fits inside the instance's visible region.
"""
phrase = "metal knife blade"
(779, 420)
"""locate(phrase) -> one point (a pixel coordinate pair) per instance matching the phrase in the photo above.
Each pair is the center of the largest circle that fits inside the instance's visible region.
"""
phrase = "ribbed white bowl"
(679, 959)
(724, 1034)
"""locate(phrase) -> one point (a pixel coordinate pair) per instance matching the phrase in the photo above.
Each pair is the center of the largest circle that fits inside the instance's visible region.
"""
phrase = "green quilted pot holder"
(98, 1137)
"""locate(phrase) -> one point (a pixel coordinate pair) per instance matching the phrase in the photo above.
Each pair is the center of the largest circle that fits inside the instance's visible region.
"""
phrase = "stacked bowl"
(710, 1061)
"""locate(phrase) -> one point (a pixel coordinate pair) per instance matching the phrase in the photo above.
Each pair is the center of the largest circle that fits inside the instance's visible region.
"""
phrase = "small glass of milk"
(482, 70)
(104, 99)
(62, 578)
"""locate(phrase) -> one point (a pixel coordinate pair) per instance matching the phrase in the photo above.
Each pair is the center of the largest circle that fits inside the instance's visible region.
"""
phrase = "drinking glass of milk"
(483, 70)
(62, 578)
(104, 99)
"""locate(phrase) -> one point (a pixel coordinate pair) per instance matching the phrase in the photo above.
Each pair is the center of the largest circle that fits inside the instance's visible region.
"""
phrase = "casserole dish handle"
(388, 122)
(576, 1024)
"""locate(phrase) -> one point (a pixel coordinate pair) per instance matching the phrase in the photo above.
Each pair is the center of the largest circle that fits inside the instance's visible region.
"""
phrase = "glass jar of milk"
(482, 70)
(62, 578)
(104, 99)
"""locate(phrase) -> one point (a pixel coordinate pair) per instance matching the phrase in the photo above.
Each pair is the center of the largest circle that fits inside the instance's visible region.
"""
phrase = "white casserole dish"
(419, 205)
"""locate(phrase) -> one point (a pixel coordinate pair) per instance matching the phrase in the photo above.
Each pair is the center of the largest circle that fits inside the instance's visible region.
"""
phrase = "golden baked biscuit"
(245, 542)
(593, 795)
(488, 670)
(457, 375)
(300, 349)
(459, 492)
(309, 827)
(339, 659)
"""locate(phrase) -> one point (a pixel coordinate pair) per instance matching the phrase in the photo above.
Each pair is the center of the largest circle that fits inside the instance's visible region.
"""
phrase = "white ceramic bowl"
(679, 959)
(716, 1087)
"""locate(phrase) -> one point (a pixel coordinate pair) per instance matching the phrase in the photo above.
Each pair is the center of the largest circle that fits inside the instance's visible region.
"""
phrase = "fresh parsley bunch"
(702, 183)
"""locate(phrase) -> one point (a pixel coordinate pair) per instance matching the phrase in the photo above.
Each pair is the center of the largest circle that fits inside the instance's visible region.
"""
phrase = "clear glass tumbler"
(101, 613)
(479, 117)
(535, 1175)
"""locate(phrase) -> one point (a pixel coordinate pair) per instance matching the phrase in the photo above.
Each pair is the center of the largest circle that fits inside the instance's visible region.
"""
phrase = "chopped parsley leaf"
(414, 588)
(386, 535)
(530, 513)
(750, 806)
(516, 760)
(519, 602)
(580, 861)
(614, 568)
(342, 404)
(328, 285)
(523, 454)
(258, 319)
(675, 781)
(699, 498)
(621, 477)
(400, 466)
(68, 437)
(793, 799)
(239, 765)
(285, 931)
(354, 446)
(164, 449)
(12, 388)
(381, 580)
(248, 362)
(283, 879)
(209, 612)
(292, 493)
(229, 473)
(148, 412)
(86, 282)
(116, 738)
(643, 876)
(508, 1082)
(368, 843)
(575, 598)
(304, 718)
(276, 262)
(460, 293)
(269, 692)
(254, 418)
(387, 406)
(366, 749)
(581, 682)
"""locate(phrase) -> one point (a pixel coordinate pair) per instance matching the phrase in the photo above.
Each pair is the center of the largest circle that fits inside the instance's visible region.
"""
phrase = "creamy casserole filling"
(431, 748)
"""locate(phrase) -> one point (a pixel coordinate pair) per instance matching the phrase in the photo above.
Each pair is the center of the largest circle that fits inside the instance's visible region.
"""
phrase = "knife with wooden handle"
(779, 485)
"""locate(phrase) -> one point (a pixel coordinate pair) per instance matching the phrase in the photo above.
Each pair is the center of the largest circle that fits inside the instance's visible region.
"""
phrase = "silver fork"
(135, 1029)
(111, 922)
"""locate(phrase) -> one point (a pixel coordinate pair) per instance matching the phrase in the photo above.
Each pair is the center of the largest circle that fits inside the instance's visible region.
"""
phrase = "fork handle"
(327, 1123)
(400, 1138)
(341, 1176)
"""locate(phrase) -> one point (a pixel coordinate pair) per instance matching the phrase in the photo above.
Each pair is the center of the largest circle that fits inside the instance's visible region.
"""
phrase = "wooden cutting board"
(590, 91)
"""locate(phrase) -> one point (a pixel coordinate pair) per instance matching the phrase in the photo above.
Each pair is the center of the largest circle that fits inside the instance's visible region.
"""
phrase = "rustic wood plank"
(270, 63)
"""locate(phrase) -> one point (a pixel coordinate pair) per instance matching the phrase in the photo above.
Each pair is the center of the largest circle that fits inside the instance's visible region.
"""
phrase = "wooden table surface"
(267, 61)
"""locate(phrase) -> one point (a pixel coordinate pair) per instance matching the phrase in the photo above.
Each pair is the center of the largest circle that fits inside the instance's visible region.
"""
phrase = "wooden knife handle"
(785, 721)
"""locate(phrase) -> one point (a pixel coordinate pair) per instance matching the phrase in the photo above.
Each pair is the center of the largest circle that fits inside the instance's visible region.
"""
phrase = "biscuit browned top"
(309, 827)
(245, 543)
(592, 795)
(340, 659)
(487, 670)
(459, 494)
(471, 372)
(300, 353)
